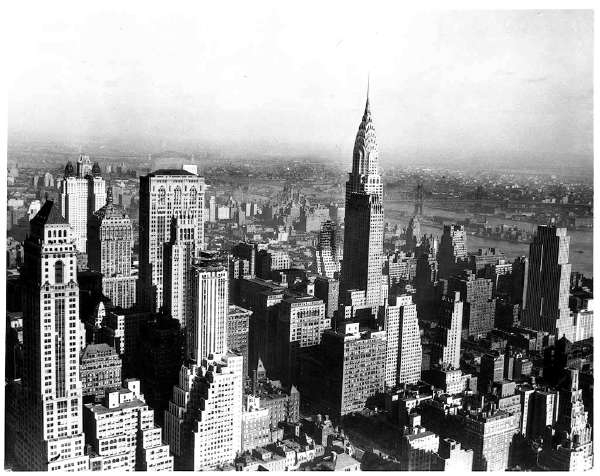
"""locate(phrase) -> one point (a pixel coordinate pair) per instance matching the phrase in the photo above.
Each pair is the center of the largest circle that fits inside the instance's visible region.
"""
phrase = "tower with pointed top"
(50, 433)
(363, 235)
(110, 243)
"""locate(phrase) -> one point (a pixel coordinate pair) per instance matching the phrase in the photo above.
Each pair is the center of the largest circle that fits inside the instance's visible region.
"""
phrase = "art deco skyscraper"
(110, 242)
(363, 235)
(82, 193)
(50, 436)
(206, 329)
(178, 255)
(548, 281)
(165, 194)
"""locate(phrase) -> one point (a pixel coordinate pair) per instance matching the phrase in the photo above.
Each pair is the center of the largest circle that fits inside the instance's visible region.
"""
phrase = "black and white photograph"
(298, 236)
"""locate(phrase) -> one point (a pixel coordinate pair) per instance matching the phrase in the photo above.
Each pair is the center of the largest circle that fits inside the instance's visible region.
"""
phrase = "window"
(58, 272)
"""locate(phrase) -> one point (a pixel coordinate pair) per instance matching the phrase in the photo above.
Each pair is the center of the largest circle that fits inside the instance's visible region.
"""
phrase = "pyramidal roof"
(49, 214)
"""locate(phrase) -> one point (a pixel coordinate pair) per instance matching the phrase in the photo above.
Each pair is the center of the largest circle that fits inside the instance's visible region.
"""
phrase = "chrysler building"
(363, 235)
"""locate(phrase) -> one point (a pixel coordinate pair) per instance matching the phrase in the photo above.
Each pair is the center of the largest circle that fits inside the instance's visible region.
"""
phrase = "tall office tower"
(547, 307)
(299, 329)
(50, 436)
(446, 346)
(413, 234)
(96, 189)
(158, 358)
(328, 263)
(179, 253)
(426, 275)
(570, 448)
(165, 194)
(355, 363)
(542, 410)
(263, 298)
(419, 196)
(82, 193)
(110, 243)
(238, 327)
(479, 308)
(403, 342)
(410, 352)
(453, 249)
(363, 234)
(212, 209)
(328, 290)
(203, 425)
(206, 330)
(48, 180)
(121, 433)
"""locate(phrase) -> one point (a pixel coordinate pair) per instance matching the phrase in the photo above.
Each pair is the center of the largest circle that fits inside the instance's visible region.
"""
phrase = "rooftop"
(101, 409)
(169, 172)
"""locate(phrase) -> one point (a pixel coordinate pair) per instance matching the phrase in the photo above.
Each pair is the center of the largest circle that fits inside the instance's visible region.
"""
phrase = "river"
(581, 250)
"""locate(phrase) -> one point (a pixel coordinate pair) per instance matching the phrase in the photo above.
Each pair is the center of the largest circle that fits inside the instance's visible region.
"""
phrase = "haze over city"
(474, 87)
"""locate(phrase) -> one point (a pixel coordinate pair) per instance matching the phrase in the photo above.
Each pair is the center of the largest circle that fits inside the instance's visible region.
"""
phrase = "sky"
(268, 78)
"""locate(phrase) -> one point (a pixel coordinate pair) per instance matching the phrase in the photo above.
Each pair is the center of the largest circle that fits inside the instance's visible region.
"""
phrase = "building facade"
(100, 369)
(50, 434)
(548, 281)
(121, 434)
(363, 233)
(83, 191)
(165, 194)
(206, 331)
(179, 253)
(328, 263)
(110, 244)
(446, 347)
(356, 367)
(238, 327)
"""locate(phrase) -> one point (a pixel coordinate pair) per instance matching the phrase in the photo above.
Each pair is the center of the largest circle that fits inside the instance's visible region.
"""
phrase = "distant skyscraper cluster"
(260, 342)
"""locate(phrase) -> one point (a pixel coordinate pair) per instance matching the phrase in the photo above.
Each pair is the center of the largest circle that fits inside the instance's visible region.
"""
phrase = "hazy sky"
(473, 85)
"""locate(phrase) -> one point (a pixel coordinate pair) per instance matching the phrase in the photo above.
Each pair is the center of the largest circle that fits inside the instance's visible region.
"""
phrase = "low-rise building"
(121, 434)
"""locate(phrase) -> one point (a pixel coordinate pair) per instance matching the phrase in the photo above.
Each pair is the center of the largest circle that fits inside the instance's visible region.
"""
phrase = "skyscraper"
(165, 194)
(403, 342)
(363, 235)
(51, 436)
(453, 249)
(328, 263)
(179, 253)
(206, 330)
(547, 305)
(479, 307)
(110, 242)
(355, 363)
(81, 195)
(446, 346)
(203, 425)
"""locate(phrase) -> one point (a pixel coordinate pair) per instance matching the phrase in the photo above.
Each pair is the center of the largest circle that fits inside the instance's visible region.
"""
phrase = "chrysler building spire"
(363, 243)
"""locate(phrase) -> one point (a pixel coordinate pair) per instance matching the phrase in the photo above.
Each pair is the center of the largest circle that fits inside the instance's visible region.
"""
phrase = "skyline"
(524, 78)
